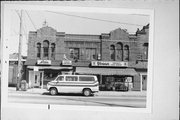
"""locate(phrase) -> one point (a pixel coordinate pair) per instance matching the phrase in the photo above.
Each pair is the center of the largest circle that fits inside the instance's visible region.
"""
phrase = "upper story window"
(53, 50)
(112, 52)
(119, 51)
(38, 50)
(91, 54)
(46, 48)
(126, 53)
(74, 53)
(145, 45)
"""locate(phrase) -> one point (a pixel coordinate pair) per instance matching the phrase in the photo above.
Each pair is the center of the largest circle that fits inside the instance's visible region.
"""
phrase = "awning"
(106, 71)
(49, 67)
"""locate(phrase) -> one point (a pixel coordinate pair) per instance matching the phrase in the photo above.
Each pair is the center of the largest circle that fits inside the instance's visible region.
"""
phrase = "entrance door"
(35, 78)
(144, 82)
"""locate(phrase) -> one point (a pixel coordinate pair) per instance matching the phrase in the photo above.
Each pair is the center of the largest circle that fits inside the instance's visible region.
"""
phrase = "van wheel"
(87, 92)
(53, 91)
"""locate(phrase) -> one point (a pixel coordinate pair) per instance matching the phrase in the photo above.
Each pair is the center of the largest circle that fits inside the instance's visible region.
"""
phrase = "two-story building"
(113, 57)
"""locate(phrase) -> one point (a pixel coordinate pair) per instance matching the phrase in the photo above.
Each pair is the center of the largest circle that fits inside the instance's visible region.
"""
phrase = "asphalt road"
(74, 99)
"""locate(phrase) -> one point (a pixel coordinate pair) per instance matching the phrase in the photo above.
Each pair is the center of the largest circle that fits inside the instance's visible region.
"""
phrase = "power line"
(31, 20)
(23, 26)
(95, 18)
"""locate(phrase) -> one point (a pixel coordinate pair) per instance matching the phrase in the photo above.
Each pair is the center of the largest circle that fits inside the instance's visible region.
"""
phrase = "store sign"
(109, 63)
(44, 62)
(66, 62)
(36, 69)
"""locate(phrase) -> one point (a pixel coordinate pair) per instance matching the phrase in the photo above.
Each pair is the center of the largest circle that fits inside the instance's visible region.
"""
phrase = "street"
(99, 99)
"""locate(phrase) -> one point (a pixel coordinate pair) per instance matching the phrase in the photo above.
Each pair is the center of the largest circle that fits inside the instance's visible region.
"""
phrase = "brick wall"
(101, 42)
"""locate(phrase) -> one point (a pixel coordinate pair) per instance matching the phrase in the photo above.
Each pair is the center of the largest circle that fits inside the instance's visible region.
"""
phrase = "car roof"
(79, 75)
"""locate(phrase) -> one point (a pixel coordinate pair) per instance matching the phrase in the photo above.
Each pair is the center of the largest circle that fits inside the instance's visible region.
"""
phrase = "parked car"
(120, 86)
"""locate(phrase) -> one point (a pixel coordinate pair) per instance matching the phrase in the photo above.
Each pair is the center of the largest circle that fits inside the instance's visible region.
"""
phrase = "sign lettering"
(44, 62)
(109, 63)
(66, 62)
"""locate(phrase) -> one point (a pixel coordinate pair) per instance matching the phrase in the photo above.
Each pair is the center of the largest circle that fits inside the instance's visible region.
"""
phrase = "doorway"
(35, 78)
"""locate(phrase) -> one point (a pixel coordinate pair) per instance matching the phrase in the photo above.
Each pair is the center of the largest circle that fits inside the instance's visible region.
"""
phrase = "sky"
(70, 23)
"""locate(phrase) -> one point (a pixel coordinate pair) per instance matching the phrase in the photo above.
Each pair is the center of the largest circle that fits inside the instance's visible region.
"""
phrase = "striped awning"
(106, 71)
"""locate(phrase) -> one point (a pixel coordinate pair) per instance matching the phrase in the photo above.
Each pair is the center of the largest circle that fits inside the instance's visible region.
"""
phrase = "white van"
(85, 84)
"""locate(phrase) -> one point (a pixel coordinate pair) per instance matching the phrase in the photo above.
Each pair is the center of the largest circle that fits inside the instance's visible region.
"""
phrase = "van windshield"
(60, 78)
(83, 78)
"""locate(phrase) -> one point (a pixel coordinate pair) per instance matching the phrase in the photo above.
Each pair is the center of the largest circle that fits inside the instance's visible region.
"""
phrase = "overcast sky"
(71, 23)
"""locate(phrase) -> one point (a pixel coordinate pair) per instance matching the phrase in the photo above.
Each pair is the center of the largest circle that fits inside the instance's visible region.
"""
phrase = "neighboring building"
(113, 57)
(13, 69)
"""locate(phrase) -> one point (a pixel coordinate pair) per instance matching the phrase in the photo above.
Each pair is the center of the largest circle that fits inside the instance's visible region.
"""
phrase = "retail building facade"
(114, 57)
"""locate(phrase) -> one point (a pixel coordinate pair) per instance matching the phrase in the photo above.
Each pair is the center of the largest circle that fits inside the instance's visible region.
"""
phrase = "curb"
(101, 93)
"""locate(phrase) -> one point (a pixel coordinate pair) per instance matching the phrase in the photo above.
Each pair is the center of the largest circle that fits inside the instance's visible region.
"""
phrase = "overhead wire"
(94, 18)
(31, 20)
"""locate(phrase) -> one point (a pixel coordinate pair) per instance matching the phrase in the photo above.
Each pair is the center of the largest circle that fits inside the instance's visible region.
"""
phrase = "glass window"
(82, 78)
(71, 78)
(145, 45)
(91, 54)
(46, 48)
(74, 53)
(120, 51)
(60, 78)
(126, 53)
(38, 50)
(53, 50)
(112, 52)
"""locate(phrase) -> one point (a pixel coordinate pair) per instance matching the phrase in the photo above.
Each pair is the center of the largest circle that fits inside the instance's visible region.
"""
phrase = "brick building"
(114, 57)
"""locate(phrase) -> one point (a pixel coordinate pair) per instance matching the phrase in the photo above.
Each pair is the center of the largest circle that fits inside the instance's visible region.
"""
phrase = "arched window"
(46, 48)
(53, 50)
(145, 45)
(38, 50)
(126, 53)
(112, 52)
(119, 51)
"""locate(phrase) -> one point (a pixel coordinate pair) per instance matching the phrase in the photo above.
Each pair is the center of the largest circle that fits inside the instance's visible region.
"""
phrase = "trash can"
(23, 85)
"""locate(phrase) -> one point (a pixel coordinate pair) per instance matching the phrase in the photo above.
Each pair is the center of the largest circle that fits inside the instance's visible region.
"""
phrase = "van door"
(71, 85)
(59, 83)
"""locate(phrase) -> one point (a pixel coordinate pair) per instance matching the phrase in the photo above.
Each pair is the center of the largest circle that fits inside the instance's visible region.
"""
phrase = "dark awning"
(106, 71)
(49, 67)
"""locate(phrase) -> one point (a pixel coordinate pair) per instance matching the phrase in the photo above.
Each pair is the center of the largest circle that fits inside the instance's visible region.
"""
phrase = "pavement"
(40, 91)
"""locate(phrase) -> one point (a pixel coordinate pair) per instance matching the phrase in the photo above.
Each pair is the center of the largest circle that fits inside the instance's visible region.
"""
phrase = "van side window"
(71, 78)
(60, 78)
(82, 78)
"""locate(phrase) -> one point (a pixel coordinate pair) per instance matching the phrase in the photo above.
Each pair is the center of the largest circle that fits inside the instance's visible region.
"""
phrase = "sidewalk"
(39, 91)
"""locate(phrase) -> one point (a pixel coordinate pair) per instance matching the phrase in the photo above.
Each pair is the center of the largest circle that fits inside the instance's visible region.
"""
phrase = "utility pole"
(19, 54)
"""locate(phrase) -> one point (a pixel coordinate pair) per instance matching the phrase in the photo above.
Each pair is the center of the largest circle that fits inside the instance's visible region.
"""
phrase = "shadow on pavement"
(64, 94)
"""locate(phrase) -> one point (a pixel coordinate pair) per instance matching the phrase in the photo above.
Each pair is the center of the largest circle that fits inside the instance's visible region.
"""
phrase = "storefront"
(111, 74)
(43, 71)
